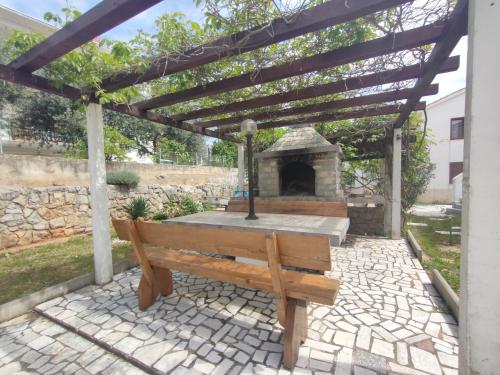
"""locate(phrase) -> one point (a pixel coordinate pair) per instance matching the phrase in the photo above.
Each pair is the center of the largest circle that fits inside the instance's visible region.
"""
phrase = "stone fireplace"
(301, 163)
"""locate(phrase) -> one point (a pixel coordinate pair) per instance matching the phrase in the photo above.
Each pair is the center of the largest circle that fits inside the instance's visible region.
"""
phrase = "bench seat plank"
(298, 285)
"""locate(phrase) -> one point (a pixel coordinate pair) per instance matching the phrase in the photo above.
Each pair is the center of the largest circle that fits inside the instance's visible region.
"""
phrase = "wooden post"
(103, 262)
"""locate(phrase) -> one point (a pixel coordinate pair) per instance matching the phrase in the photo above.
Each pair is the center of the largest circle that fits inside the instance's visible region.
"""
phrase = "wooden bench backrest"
(292, 207)
(296, 250)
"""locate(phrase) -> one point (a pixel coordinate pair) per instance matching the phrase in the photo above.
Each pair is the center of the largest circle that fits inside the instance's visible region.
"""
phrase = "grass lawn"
(35, 268)
(437, 252)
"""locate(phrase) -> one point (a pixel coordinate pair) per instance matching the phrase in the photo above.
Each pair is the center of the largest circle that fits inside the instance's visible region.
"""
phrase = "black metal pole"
(251, 204)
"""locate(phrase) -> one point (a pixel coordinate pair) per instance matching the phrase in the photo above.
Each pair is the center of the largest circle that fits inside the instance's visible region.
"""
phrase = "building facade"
(445, 126)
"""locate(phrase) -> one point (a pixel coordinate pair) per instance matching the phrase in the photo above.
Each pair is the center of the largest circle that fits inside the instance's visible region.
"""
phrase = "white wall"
(444, 151)
(11, 20)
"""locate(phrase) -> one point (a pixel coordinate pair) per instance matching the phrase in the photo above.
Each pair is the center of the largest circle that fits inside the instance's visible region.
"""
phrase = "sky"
(448, 82)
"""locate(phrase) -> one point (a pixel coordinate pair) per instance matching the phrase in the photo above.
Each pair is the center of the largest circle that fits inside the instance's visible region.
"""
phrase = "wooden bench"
(291, 207)
(293, 289)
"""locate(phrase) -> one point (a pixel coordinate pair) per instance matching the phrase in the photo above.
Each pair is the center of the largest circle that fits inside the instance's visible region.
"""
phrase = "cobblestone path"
(388, 319)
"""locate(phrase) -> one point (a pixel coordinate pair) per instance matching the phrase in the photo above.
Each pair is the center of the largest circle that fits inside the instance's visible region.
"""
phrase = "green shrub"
(138, 207)
(160, 215)
(127, 178)
(189, 206)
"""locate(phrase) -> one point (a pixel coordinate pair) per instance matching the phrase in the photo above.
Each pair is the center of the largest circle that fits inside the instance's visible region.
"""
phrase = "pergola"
(215, 122)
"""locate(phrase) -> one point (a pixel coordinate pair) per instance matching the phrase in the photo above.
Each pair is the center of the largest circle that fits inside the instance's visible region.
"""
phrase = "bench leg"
(146, 293)
(162, 283)
(295, 331)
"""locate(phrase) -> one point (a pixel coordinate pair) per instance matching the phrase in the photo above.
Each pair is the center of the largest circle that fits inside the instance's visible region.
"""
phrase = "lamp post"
(248, 128)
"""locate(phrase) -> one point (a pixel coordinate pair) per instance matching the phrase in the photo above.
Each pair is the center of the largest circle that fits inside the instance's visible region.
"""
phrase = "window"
(455, 169)
(457, 128)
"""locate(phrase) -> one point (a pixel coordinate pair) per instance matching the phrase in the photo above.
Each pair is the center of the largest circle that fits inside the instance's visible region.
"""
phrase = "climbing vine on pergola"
(385, 71)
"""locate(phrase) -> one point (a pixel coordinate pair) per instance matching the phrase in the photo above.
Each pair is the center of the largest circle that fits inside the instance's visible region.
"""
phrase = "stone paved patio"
(388, 319)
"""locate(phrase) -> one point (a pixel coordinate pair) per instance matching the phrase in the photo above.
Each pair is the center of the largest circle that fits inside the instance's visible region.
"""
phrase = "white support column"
(241, 166)
(103, 263)
(388, 190)
(480, 253)
(396, 186)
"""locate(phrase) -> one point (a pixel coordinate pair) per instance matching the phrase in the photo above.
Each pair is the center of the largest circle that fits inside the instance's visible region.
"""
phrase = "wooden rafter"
(313, 19)
(361, 51)
(354, 83)
(358, 101)
(43, 84)
(455, 29)
(101, 18)
(327, 117)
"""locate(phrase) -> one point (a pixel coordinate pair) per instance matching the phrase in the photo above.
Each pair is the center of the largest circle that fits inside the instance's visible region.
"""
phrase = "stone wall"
(36, 171)
(366, 220)
(29, 215)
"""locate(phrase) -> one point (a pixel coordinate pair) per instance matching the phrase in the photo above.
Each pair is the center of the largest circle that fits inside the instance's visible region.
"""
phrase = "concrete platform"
(334, 227)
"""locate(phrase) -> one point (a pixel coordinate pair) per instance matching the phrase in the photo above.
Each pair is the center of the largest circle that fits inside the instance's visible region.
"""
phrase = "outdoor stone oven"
(301, 163)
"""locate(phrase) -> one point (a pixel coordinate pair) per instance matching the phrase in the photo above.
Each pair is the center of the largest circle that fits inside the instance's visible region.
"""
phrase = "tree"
(116, 146)
(225, 152)
(47, 119)
(172, 150)
(417, 168)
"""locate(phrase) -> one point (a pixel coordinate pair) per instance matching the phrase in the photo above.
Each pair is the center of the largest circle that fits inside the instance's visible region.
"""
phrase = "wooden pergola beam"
(43, 84)
(358, 101)
(101, 18)
(361, 51)
(456, 27)
(328, 117)
(354, 83)
(313, 19)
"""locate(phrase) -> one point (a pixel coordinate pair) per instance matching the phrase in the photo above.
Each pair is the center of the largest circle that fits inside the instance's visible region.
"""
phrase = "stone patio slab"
(334, 227)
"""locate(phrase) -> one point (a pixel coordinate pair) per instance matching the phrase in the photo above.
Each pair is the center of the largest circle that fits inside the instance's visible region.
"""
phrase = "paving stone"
(171, 360)
(213, 357)
(383, 348)
(363, 371)
(402, 353)
(425, 361)
(40, 342)
(241, 357)
(390, 325)
(99, 365)
(367, 319)
(448, 360)
(203, 367)
(320, 312)
(149, 354)
(346, 327)
(364, 338)
(344, 362)
(344, 339)
(273, 360)
(223, 367)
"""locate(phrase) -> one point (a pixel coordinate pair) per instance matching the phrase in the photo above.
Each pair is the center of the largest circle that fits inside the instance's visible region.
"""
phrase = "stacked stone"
(366, 220)
(30, 215)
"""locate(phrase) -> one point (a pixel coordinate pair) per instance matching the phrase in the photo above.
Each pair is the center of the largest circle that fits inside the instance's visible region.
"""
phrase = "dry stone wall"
(29, 215)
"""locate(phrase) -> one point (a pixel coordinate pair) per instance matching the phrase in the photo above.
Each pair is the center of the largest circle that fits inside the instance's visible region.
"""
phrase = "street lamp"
(248, 129)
